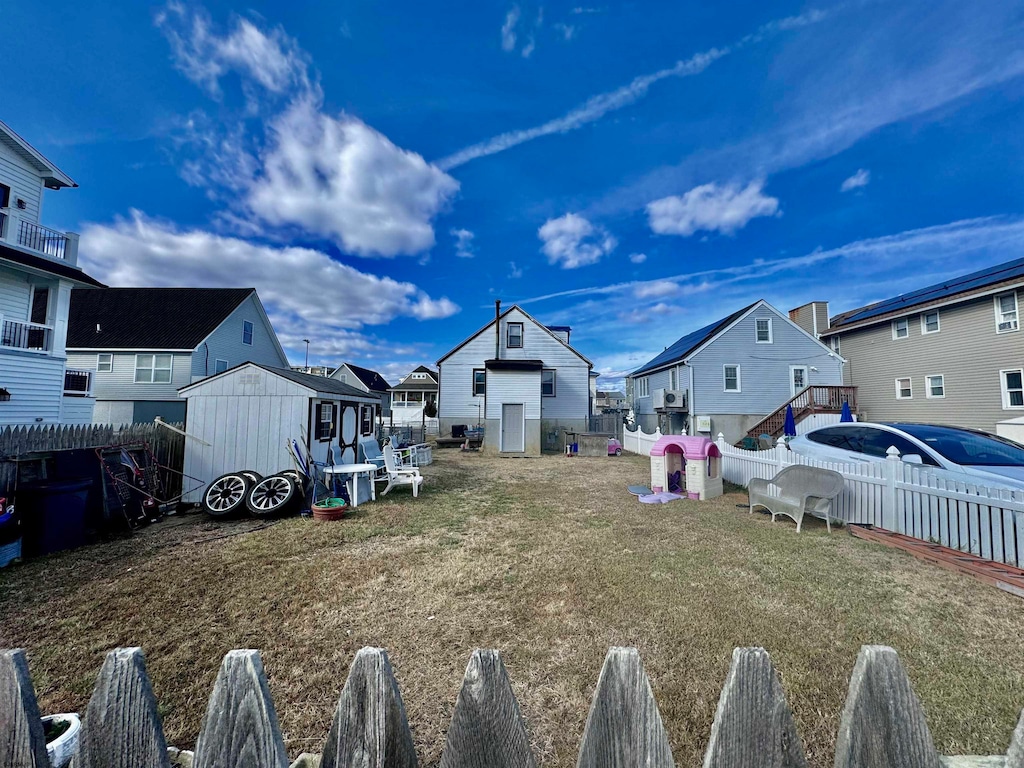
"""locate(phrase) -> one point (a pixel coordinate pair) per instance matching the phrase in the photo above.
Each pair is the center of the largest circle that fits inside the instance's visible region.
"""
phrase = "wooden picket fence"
(882, 725)
(18, 442)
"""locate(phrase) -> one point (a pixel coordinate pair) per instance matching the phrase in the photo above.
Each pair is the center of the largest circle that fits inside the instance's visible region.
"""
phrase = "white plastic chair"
(396, 475)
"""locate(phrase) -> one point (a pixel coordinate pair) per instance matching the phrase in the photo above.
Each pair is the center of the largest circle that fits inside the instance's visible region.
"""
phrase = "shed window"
(152, 369)
(366, 420)
(247, 333)
(904, 389)
(104, 362)
(479, 382)
(1012, 382)
(515, 335)
(324, 421)
(930, 322)
(763, 334)
(732, 378)
(900, 328)
(547, 383)
(1006, 313)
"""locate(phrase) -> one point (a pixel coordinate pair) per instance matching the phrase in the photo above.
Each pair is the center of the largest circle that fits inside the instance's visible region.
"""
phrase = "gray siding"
(225, 343)
(119, 383)
(966, 351)
(764, 368)
(15, 294)
(572, 377)
(24, 181)
(659, 380)
(36, 384)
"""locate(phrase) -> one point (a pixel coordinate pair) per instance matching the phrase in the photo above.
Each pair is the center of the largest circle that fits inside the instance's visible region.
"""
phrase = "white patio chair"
(397, 475)
(798, 490)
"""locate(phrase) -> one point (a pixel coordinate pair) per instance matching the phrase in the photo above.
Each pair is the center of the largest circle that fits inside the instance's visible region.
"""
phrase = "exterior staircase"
(808, 401)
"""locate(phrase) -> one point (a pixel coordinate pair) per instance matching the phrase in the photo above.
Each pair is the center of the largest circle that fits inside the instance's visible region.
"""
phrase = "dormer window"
(515, 335)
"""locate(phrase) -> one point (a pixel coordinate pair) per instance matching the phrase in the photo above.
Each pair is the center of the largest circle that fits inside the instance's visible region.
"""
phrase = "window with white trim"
(935, 386)
(324, 421)
(547, 382)
(365, 420)
(153, 369)
(904, 389)
(673, 378)
(643, 387)
(104, 362)
(221, 365)
(479, 382)
(1012, 383)
(900, 328)
(763, 330)
(1006, 313)
(731, 378)
(833, 342)
(929, 322)
(515, 335)
(247, 329)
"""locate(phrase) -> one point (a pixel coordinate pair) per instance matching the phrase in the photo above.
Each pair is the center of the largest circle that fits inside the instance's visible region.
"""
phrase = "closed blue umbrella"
(846, 415)
(789, 427)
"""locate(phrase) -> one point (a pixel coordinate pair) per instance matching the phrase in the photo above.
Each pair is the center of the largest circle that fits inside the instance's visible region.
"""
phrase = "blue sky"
(382, 172)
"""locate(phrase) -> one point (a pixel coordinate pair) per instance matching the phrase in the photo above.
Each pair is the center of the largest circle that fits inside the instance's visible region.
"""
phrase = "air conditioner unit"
(669, 398)
(1009, 325)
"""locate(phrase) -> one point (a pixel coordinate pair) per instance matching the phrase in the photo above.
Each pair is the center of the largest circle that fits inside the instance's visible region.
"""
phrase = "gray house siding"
(119, 383)
(225, 343)
(966, 351)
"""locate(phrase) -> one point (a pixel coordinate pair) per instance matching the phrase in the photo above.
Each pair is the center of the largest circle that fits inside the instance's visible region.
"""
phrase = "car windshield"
(965, 447)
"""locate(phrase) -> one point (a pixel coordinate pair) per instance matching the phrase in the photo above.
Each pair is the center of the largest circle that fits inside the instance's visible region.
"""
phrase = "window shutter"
(317, 417)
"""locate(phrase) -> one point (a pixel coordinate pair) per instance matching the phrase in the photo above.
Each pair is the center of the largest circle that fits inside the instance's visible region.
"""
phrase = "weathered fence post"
(121, 727)
(1015, 754)
(624, 727)
(487, 728)
(883, 724)
(370, 728)
(22, 741)
(241, 729)
(753, 725)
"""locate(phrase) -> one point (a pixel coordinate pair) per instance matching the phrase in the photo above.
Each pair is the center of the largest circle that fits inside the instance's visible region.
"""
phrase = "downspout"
(692, 430)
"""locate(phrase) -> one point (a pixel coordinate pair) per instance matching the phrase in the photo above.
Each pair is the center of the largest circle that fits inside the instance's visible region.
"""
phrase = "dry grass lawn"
(549, 560)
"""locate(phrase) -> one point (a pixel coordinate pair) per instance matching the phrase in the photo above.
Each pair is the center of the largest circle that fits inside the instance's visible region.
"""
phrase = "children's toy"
(695, 459)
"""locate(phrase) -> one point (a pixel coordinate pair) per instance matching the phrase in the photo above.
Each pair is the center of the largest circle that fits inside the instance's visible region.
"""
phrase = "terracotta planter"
(330, 509)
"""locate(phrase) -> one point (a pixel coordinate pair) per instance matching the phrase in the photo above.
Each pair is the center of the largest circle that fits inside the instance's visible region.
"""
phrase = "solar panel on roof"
(1006, 271)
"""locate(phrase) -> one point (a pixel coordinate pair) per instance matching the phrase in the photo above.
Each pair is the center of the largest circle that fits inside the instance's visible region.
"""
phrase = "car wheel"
(294, 474)
(271, 496)
(254, 477)
(226, 495)
(618, 451)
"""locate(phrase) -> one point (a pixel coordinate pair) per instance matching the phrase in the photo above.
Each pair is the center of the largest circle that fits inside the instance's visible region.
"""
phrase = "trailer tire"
(226, 495)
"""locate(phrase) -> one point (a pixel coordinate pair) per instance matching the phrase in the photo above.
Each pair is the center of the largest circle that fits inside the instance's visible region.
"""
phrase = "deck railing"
(817, 398)
(28, 337)
(43, 239)
(77, 383)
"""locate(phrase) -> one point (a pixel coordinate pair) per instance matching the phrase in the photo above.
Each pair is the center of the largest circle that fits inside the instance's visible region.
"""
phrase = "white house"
(241, 419)
(38, 269)
(520, 379)
(145, 343)
(410, 396)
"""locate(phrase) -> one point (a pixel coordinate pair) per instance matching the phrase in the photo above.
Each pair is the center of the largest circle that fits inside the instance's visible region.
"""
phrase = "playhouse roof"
(691, 447)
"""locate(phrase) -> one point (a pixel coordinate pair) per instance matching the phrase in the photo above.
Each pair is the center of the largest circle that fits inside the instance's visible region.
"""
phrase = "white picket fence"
(916, 501)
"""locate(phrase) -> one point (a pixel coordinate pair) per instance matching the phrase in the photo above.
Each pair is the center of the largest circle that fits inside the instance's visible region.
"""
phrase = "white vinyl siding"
(1006, 313)
(25, 183)
(515, 336)
(15, 294)
(935, 386)
(513, 387)
(36, 385)
(900, 328)
(904, 388)
(731, 378)
(119, 384)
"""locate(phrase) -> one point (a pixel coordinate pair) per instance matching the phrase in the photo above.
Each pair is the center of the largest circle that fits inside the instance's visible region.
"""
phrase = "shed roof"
(965, 284)
(149, 318)
(691, 341)
(319, 385)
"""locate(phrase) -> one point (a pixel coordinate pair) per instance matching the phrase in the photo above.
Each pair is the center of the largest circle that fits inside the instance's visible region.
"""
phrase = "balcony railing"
(77, 383)
(16, 230)
(29, 337)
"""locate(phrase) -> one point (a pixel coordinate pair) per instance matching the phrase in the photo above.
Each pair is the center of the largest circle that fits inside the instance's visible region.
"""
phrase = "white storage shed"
(248, 414)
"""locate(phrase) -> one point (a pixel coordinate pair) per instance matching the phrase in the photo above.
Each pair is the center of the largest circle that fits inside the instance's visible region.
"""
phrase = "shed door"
(513, 427)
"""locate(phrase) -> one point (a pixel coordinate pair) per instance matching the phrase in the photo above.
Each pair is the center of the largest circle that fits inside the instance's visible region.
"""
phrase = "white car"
(977, 457)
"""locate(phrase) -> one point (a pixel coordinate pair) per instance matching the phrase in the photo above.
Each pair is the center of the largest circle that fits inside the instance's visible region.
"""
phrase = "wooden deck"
(1006, 577)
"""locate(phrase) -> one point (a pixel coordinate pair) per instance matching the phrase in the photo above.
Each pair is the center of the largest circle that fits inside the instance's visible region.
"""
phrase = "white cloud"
(463, 243)
(572, 241)
(860, 179)
(514, 272)
(306, 293)
(598, 106)
(656, 289)
(712, 208)
(568, 30)
(645, 314)
(638, 258)
(508, 29)
(333, 177)
(528, 48)
(272, 59)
